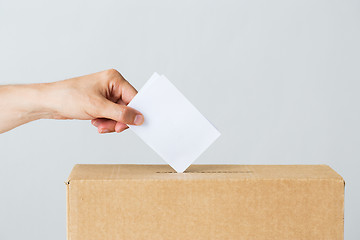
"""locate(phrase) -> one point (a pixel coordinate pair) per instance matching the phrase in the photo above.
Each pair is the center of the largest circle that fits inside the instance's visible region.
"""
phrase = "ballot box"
(232, 202)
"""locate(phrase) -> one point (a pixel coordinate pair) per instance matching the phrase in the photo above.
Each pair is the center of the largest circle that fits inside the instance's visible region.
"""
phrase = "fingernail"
(139, 119)
(104, 130)
(95, 123)
(117, 128)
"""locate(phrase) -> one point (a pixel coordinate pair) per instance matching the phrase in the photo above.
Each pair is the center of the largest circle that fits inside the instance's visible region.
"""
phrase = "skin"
(100, 97)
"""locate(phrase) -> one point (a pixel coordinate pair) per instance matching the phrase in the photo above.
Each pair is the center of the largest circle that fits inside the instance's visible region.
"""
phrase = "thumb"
(121, 113)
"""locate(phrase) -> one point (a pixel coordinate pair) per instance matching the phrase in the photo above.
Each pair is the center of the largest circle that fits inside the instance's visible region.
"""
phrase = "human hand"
(100, 97)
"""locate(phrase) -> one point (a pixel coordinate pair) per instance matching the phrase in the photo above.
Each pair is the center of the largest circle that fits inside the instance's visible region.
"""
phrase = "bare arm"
(101, 97)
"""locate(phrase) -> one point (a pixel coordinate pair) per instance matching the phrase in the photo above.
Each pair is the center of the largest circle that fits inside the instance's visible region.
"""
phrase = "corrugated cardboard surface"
(206, 202)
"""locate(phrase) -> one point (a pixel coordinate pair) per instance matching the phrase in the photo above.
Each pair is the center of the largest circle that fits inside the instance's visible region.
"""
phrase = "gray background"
(279, 79)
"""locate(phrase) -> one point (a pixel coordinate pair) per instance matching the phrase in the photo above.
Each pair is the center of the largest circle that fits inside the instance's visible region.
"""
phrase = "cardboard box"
(133, 202)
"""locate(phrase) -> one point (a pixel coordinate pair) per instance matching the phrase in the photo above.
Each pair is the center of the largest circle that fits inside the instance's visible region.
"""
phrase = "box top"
(201, 172)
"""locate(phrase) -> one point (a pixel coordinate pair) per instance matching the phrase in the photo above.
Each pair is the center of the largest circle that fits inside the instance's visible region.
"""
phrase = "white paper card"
(173, 127)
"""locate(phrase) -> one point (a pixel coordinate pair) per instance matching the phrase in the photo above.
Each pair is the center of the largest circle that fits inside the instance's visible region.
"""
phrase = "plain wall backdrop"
(279, 79)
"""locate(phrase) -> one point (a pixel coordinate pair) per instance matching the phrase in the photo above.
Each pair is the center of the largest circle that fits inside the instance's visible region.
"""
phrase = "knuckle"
(112, 74)
(124, 112)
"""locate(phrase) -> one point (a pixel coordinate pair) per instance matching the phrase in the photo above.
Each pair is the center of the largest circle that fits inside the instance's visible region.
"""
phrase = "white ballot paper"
(173, 127)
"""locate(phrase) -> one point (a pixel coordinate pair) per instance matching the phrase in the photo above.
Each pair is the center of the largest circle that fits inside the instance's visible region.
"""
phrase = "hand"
(101, 97)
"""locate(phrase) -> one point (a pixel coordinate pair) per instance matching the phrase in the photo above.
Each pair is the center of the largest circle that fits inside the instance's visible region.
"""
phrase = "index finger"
(128, 92)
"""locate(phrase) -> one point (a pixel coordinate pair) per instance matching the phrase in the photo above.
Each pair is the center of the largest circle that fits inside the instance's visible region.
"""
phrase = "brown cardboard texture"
(133, 202)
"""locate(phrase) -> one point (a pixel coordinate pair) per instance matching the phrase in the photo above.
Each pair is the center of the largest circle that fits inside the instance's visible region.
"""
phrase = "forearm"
(21, 104)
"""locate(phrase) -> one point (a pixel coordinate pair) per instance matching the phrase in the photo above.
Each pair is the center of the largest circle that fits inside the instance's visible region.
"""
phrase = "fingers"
(119, 127)
(114, 117)
(107, 125)
(111, 112)
(121, 113)
(104, 125)
(128, 92)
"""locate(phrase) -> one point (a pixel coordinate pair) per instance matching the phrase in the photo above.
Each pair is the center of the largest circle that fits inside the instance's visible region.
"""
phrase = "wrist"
(35, 101)
(47, 97)
(36, 106)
